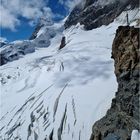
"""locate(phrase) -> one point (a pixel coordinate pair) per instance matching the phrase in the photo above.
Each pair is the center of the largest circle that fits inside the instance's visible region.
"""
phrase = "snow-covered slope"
(59, 94)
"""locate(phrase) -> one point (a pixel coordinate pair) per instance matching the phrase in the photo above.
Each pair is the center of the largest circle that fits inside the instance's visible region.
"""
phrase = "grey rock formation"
(124, 114)
(97, 12)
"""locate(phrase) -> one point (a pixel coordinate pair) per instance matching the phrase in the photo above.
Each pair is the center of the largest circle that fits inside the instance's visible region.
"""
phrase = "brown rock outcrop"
(125, 50)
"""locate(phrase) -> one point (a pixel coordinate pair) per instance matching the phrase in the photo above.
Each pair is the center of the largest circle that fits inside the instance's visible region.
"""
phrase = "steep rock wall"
(123, 116)
(96, 13)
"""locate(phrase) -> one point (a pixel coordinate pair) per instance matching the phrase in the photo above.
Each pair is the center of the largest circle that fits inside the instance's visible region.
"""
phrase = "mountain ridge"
(94, 15)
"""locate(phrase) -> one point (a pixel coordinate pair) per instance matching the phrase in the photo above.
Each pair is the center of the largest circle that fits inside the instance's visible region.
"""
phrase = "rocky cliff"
(96, 13)
(123, 116)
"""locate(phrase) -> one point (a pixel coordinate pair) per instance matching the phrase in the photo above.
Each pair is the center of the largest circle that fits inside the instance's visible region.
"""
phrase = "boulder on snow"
(63, 43)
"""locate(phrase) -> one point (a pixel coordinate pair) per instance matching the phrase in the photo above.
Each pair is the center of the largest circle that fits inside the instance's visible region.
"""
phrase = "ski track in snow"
(59, 94)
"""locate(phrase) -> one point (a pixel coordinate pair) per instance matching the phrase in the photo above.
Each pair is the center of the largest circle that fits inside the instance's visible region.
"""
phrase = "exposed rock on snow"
(63, 43)
(123, 117)
(97, 12)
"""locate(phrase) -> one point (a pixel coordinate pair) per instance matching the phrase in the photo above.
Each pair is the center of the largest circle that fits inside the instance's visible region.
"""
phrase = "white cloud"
(7, 20)
(11, 10)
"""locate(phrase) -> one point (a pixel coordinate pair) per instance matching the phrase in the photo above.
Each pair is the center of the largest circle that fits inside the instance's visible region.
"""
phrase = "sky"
(18, 18)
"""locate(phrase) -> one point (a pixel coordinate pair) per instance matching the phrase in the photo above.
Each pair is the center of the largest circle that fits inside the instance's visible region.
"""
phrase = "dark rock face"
(94, 15)
(123, 116)
(63, 43)
(34, 34)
